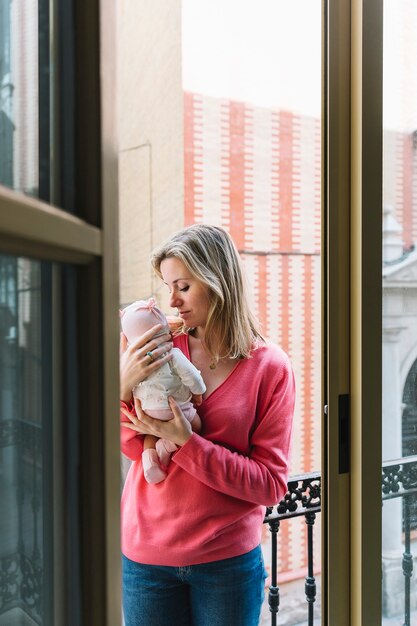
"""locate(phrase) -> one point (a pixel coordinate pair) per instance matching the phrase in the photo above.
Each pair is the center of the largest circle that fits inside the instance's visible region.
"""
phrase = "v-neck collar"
(223, 383)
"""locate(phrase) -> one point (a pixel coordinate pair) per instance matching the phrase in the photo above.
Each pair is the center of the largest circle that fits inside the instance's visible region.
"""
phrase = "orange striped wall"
(400, 182)
(257, 173)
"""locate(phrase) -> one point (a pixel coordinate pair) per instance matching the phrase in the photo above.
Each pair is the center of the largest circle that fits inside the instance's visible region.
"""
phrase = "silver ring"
(149, 354)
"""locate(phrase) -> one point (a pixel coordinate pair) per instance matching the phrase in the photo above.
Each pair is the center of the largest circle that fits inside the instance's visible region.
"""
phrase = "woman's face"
(187, 294)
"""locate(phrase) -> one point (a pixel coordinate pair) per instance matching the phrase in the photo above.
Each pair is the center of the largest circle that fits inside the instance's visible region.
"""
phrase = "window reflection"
(24, 458)
(19, 115)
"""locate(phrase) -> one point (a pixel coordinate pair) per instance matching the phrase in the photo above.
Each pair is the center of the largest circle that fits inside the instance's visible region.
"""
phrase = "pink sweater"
(212, 503)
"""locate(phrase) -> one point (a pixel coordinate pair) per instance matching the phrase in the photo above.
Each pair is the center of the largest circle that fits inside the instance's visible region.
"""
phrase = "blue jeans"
(229, 592)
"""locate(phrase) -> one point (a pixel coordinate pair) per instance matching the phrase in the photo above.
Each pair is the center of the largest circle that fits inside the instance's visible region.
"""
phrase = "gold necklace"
(214, 362)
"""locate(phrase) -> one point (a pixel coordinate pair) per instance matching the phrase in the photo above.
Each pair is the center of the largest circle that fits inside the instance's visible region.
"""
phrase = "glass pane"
(25, 121)
(25, 442)
(399, 400)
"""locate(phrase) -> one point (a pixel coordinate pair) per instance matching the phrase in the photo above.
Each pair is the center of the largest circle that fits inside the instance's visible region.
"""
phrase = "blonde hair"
(209, 254)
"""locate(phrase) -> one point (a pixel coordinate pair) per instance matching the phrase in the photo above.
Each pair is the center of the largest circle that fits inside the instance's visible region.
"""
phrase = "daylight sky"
(265, 52)
(268, 53)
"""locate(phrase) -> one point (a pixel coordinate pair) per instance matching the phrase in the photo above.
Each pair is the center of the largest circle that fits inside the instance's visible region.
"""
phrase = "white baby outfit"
(177, 378)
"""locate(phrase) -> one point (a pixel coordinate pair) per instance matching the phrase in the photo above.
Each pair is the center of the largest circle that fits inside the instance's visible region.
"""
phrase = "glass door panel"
(399, 283)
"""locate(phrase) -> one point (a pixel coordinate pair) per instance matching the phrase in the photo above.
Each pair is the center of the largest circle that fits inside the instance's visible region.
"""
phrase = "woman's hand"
(178, 429)
(135, 362)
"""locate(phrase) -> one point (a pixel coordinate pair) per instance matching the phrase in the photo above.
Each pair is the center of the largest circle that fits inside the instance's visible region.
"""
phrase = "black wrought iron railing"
(399, 480)
(21, 541)
(303, 498)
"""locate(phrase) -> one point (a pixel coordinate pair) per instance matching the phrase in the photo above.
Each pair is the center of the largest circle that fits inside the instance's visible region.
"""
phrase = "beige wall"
(151, 137)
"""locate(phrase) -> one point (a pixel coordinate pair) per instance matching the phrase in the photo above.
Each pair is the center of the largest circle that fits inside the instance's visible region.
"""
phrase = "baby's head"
(140, 316)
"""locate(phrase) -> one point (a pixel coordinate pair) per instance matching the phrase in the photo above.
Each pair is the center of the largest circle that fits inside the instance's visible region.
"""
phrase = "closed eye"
(185, 288)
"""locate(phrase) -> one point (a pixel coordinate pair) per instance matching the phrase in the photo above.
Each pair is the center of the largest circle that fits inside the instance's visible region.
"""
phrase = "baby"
(177, 378)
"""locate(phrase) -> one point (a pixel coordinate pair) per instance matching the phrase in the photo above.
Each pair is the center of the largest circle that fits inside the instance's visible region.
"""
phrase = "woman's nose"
(174, 300)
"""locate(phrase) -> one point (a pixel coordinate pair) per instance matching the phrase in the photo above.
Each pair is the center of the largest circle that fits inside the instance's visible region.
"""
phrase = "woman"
(191, 544)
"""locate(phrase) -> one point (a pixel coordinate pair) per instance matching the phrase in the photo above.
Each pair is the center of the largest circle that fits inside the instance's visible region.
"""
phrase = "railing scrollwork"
(399, 480)
(303, 498)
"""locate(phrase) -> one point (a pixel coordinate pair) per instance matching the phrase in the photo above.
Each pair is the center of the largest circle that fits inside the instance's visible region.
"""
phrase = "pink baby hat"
(139, 317)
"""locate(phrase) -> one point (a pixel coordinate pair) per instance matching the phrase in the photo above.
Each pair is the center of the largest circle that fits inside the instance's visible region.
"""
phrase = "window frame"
(32, 228)
(366, 310)
(335, 308)
(352, 310)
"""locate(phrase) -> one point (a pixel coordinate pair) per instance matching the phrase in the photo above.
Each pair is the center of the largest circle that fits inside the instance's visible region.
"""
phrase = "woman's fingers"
(152, 350)
(131, 427)
(148, 339)
(156, 353)
(136, 420)
(142, 417)
(174, 407)
(182, 430)
(177, 412)
(145, 424)
(139, 420)
(177, 429)
(133, 418)
(141, 358)
(158, 357)
(138, 407)
(123, 344)
(138, 428)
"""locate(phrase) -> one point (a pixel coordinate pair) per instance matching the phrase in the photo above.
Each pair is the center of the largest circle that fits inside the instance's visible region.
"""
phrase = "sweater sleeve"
(131, 441)
(261, 476)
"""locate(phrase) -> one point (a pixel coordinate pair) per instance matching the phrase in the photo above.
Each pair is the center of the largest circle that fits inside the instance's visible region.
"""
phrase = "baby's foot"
(152, 471)
(165, 448)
